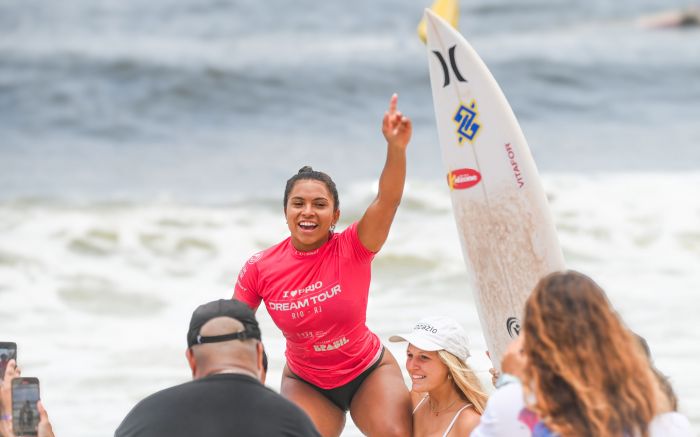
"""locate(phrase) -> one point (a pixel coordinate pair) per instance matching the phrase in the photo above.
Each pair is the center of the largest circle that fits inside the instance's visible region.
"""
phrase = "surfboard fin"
(447, 9)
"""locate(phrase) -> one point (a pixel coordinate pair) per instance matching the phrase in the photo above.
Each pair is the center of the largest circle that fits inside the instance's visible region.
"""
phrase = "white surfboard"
(507, 235)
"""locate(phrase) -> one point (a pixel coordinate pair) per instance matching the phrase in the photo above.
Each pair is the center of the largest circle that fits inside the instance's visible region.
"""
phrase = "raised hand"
(514, 359)
(396, 127)
(12, 371)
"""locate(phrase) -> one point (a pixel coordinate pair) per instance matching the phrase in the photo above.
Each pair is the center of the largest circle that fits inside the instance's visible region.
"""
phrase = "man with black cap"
(226, 397)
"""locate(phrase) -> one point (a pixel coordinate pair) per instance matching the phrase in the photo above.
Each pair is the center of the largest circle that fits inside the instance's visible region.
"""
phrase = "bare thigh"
(382, 405)
(326, 416)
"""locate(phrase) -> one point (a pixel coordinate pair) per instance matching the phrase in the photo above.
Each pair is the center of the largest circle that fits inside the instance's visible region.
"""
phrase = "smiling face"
(310, 213)
(426, 369)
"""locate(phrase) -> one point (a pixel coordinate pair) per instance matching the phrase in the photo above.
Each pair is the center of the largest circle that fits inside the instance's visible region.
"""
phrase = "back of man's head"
(224, 337)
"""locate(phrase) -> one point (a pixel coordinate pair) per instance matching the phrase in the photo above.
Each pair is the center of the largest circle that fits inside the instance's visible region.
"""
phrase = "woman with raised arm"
(315, 286)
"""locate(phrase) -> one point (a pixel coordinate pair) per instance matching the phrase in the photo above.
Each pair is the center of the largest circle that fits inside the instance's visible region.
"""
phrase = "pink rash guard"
(319, 301)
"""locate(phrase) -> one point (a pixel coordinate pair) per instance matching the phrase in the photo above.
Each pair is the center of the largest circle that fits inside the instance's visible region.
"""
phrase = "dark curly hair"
(306, 172)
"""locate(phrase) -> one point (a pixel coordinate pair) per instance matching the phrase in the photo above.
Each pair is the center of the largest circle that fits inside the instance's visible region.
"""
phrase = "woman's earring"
(333, 227)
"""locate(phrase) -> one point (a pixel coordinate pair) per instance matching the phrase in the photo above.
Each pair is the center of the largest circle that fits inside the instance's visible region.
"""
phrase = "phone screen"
(25, 416)
(8, 351)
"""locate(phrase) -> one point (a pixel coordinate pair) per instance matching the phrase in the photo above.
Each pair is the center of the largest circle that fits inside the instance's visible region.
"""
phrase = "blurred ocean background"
(144, 148)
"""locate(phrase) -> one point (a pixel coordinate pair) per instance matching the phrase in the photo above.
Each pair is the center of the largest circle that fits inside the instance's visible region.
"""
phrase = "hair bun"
(306, 169)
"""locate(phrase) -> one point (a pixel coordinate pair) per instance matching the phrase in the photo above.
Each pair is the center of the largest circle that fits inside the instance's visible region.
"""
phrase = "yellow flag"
(447, 9)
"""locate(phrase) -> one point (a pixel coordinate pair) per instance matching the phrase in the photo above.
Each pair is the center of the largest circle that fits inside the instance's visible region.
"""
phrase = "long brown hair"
(588, 373)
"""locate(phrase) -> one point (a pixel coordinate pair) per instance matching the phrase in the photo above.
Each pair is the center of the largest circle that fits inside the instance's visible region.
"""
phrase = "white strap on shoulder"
(454, 420)
(419, 404)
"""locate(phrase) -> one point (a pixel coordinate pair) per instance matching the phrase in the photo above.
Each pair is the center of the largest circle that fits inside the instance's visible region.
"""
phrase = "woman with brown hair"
(584, 373)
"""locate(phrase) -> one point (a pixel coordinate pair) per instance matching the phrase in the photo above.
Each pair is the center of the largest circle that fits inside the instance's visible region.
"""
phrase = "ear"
(336, 216)
(259, 362)
(191, 361)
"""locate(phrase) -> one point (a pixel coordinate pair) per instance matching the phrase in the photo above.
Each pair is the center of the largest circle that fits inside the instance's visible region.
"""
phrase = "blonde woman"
(447, 396)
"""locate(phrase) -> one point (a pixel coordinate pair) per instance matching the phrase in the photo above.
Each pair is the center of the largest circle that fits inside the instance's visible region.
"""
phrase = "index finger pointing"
(392, 103)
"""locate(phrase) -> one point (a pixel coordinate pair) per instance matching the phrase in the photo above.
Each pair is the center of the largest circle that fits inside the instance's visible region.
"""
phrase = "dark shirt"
(223, 405)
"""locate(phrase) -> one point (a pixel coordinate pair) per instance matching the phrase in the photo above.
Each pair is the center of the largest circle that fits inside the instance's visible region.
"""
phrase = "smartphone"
(25, 415)
(8, 351)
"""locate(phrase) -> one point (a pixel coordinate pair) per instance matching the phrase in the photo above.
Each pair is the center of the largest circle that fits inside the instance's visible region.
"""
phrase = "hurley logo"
(513, 326)
(446, 69)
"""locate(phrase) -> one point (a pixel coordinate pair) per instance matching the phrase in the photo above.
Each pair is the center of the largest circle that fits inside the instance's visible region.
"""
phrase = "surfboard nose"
(445, 10)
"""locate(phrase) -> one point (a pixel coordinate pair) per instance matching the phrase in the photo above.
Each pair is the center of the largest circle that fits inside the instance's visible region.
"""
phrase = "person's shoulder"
(260, 261)
(349, 232)
(279, 402)
(267, 253)
(502, 413)
(252, 387)
(349, 240)
(154, 408)
(467, 420)
(161, 396)
(508, 395)
(170, 391)
(670, 424)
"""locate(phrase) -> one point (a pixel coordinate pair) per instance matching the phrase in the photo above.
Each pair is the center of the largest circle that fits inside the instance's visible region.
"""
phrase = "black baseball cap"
(234, 309)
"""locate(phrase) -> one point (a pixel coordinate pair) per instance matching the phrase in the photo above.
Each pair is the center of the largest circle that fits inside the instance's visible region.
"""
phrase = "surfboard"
(508, 238)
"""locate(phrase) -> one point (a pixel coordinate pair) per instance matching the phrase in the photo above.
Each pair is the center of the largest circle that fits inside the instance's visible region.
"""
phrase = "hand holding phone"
(25, 415)
(8, 351)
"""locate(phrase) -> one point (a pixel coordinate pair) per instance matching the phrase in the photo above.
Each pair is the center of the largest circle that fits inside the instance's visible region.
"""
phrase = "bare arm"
(373, 228)
(513, 362)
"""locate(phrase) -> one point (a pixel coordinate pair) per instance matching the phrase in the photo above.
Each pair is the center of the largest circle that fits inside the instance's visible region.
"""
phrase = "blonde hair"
(465, 380)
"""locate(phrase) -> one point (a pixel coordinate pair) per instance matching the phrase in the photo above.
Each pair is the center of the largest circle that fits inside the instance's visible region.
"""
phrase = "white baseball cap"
(438, 333)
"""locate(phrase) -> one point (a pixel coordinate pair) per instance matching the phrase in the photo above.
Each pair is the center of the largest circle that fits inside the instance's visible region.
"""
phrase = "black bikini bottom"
(342, 396)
